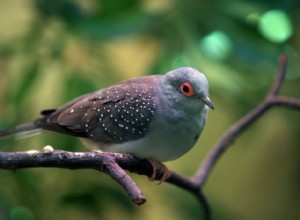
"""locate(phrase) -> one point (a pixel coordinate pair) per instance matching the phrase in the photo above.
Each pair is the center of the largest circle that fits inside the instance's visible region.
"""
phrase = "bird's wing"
(116, 114)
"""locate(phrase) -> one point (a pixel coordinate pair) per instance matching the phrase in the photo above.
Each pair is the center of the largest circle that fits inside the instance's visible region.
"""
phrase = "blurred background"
(54, 51)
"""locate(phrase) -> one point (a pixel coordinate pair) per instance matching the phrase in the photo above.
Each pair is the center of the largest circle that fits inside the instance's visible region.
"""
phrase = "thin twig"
(210, 161)
(286, 102)
(121, 177)
(205, 205)
(271, 100)
(283, 61)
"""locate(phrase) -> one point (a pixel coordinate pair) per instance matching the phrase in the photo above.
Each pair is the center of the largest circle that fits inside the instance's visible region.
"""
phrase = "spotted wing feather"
(122, 112)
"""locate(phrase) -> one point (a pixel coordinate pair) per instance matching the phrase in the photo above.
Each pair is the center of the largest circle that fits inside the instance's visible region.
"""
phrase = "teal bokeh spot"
(21, 213)
(216, 45)
(276, 26)
(180, 61)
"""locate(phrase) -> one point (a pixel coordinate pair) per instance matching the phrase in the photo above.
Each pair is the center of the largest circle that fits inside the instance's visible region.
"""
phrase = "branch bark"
(114, 164)
(110, 163)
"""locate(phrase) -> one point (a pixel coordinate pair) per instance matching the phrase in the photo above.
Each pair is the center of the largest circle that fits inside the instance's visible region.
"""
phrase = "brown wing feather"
(119, 113)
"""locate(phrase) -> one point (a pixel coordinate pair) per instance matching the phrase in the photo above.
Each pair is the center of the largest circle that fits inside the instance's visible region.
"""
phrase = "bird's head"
(188, 88)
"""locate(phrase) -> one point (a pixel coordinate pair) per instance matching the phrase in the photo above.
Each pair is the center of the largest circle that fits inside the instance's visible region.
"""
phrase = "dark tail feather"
(21, 130)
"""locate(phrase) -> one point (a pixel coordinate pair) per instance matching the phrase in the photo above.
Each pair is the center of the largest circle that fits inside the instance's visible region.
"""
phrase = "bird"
(156, 117)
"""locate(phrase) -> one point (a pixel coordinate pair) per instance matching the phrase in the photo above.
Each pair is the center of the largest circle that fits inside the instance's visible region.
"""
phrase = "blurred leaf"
(30, 76)
(97, 198)
(21, 213)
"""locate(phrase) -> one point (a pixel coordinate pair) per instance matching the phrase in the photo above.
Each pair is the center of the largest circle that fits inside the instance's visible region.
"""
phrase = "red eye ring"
(187, 89)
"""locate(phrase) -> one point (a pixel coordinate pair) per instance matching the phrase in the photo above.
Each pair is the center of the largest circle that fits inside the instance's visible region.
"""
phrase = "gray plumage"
(152, 117)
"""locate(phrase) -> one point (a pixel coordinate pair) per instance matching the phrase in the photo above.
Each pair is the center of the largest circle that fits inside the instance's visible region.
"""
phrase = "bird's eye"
(187, 89)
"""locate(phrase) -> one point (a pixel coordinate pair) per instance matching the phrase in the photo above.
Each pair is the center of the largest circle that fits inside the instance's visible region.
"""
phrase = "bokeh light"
(275, 26)
(216, 45)
(180, 61)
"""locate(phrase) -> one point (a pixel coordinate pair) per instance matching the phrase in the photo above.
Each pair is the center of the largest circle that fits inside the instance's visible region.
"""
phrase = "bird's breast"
(166, 139)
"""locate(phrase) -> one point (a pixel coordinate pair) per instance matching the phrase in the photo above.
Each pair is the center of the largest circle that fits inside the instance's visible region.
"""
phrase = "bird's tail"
(21, 130)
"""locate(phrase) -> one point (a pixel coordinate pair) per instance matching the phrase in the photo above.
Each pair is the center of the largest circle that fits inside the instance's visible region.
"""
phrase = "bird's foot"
(158, 167)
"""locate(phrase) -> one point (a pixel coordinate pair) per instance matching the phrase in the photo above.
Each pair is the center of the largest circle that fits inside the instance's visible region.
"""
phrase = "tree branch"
(104, 162)
(283, 61)
(229, 137)
(114, 164)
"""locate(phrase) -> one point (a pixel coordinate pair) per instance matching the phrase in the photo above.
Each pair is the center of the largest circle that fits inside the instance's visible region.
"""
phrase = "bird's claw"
(159, 168)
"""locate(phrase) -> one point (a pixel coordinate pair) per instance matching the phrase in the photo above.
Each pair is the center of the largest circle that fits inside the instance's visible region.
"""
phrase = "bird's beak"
(207, 102)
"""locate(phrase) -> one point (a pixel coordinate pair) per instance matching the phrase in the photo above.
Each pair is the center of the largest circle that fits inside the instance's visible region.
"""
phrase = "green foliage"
(54, 51)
